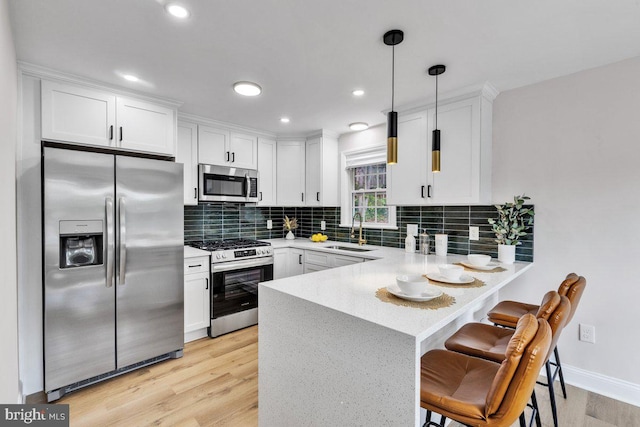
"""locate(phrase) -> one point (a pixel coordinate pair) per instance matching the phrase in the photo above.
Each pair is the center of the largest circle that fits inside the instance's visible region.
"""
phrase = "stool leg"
(552, 396)
(536, 410)
(523, 421)
(559, 367)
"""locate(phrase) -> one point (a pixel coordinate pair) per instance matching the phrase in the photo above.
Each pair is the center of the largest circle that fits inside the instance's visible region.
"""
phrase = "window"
(364, 189)
(369, 193)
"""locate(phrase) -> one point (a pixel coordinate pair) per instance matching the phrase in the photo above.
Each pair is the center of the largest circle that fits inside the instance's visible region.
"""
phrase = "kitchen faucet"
(361, 241)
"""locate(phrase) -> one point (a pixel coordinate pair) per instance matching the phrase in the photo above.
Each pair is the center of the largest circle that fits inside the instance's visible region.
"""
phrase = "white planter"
(290, 235)
(507, 254)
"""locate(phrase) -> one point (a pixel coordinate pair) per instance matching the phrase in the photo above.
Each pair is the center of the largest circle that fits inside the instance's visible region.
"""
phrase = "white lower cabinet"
(293, 261)
(196, 297)
(295, 264)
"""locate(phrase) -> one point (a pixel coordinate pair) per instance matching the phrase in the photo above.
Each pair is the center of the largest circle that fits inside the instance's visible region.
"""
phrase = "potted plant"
(514, 219)
(289, 224)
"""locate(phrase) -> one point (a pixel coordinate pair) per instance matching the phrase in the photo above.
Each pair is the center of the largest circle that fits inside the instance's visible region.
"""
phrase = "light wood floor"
(215, 383)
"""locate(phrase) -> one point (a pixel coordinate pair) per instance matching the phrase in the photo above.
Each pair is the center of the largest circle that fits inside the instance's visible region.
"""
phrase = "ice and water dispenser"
(80, 243)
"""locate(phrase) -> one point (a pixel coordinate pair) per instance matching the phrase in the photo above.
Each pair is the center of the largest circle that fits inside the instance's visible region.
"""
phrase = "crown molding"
(41, 72)
(200, 120)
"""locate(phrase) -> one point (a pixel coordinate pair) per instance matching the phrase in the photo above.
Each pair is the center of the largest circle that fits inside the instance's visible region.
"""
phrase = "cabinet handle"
(318, 196)
(300, 259)
(428, 190)
(195, 193)
(422, 191)
(302, 196)
(111, 133)
(120, 133)
(227, 156)
(260, 195)
(207, 287)
(196, 265)
(233, 157)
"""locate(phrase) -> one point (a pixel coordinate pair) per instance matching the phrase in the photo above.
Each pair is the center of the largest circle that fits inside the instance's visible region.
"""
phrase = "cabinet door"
(280, 259)
(196, 301)
(296, 262)
(313, 172)
(267, 172)
(290, 176)
(143, 126)
(187, 154)
(459, 178)
(213, 146)
(243, 151)
(407, 178)
(76, 114)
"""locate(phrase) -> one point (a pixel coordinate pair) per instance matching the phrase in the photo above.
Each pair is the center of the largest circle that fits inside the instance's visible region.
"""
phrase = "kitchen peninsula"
(332, 353)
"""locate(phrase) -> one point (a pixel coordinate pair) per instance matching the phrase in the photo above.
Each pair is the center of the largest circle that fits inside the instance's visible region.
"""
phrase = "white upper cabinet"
(407, 181)
(77, 114)
(83, 115)
(267, 156)
(187, 154)
(223, 148)
(290, 176)
(465, 153)
(143, 126)
(321, 171)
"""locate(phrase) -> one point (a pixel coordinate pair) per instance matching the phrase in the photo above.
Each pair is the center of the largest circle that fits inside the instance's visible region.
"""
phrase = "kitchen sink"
(348, 248)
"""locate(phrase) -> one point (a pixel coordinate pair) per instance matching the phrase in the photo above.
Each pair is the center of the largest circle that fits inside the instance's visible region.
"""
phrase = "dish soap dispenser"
(409, 243)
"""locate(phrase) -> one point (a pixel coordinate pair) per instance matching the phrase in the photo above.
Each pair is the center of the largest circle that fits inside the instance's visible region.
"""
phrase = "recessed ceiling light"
(130, 77)
(358, 126)
(358, 92)
(177, 10)
(285, 119)
(247, 88)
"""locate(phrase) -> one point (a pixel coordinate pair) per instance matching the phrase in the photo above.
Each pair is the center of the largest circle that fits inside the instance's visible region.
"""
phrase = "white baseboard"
(614, 388)
(195, 335)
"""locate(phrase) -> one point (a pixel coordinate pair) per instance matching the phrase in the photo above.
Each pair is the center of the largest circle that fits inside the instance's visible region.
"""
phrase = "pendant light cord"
(436, 102)
(393, 73)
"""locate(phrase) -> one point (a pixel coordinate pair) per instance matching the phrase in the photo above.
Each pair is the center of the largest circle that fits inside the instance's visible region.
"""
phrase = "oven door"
(235, 285)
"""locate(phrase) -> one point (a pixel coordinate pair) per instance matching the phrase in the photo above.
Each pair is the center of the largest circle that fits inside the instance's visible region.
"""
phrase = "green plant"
(513, 221)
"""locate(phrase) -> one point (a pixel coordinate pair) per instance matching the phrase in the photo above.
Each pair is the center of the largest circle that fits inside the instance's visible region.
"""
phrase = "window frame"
(348, 161)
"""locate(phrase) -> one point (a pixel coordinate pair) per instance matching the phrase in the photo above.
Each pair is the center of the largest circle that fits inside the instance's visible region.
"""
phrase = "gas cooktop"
(227, 244)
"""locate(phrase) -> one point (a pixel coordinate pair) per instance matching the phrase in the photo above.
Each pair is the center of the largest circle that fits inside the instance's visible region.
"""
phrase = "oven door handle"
(237, 265)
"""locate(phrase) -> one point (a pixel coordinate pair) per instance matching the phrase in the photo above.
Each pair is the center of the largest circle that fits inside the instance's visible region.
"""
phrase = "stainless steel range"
(237, 266)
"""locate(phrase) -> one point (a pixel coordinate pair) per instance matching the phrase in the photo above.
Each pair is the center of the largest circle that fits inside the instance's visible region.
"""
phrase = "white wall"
(573, 145)
(9, 386)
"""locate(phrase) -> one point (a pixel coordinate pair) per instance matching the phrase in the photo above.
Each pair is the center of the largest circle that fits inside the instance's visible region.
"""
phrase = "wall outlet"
(323, 225)
(269, 224)
(588, 333)
(474, 233)
(412, 229)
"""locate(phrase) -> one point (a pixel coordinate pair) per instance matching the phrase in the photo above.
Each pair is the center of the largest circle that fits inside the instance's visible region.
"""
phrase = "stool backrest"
(573, 288)
(514, 382)
(557, 322)
(524, 357)
(550, 302)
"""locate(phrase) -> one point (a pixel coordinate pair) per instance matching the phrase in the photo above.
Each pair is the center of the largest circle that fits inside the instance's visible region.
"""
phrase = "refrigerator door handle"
(123, 238)
(110, 240)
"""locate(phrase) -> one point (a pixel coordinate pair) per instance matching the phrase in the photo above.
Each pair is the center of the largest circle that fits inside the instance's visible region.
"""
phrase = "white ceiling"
(308, 55)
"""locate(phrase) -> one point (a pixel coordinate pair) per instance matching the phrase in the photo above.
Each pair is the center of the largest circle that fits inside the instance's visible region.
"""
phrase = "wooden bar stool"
(490, 342)
(507, 313)
(478, 392)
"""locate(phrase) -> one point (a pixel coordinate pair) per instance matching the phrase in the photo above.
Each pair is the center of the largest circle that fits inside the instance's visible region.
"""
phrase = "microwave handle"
(247, 185)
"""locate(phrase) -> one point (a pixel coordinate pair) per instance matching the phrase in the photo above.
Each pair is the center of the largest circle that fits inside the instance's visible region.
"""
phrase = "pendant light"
(392, 38)
(436, 70)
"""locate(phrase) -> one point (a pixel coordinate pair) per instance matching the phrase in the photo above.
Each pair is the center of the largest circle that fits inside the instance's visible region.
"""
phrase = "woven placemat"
(477, 283)
(444, 300)
(497, 269)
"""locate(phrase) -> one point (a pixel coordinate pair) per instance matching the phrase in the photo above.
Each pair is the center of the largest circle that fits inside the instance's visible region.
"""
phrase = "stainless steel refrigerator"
(113, 265)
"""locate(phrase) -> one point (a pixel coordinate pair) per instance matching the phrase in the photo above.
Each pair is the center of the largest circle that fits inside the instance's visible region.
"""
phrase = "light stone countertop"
(190, 252)
(351, 289)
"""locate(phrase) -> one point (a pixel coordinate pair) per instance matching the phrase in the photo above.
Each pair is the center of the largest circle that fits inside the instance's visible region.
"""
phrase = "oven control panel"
(244, 253)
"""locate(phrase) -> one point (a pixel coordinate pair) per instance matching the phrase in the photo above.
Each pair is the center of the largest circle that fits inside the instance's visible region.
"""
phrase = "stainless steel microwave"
(227, 184)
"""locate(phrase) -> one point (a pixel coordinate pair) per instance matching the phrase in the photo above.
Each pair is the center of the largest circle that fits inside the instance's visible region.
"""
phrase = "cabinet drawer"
(196, 265)
(309, 268)
(341, 260)
(317, 258)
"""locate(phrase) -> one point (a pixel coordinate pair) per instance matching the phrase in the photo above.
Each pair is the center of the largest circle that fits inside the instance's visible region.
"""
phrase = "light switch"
(323, 225)
(269, 224)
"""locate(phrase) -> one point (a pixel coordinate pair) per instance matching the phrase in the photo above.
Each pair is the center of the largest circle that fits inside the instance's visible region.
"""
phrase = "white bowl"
(412, 284)
(478, 259)
(450, 271)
